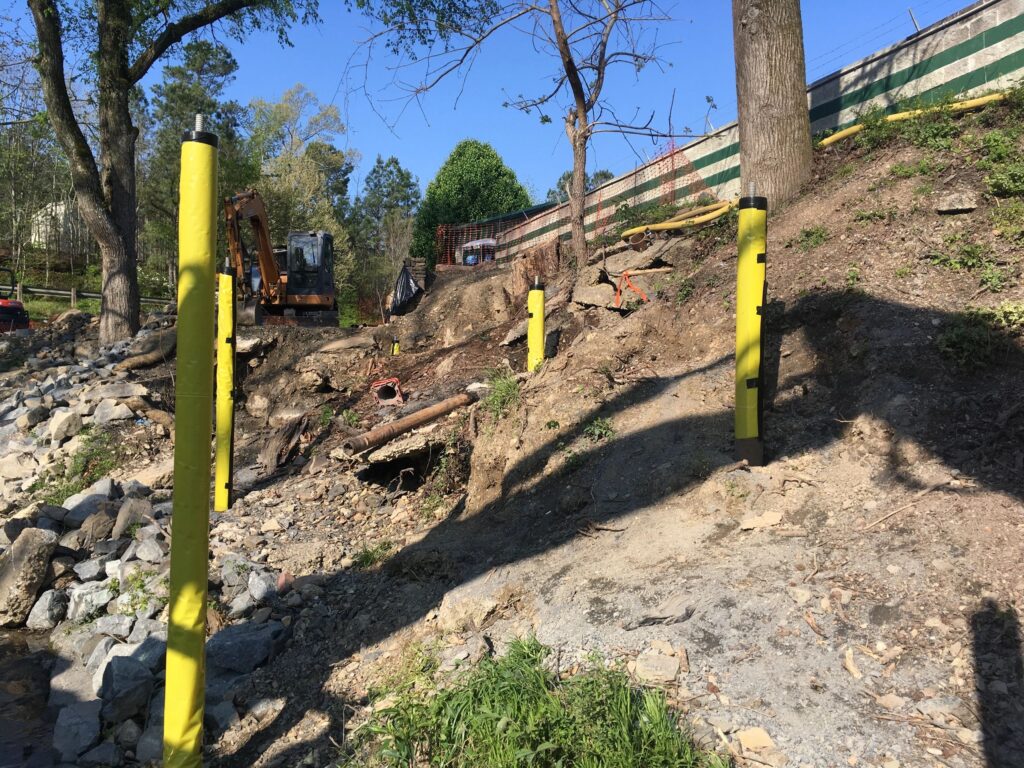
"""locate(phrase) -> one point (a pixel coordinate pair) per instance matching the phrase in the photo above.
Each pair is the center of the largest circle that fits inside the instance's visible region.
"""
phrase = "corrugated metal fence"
(977, 49)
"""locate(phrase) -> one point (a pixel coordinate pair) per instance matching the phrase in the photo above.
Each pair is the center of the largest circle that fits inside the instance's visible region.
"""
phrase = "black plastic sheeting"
(405, 291)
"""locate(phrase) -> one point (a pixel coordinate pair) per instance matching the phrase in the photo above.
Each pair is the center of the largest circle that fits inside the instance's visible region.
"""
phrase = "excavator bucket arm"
(248, 206)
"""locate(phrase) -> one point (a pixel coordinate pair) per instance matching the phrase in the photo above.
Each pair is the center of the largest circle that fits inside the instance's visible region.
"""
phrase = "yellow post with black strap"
(535, 326)
(193, 405)
(225, 440)
(751, 294)
(395, 346)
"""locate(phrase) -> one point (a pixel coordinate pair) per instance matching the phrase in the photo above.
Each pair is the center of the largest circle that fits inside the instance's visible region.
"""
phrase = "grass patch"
(1007, 180)
(974, 339)
(350, 417)
(887, 214)
(852, 276)
(368, 557)
(810, 238)
(514, 711)
(961, 254)
(1008, 220)
(97, 457)
(504, 395)
(44, 309)
(904, 272)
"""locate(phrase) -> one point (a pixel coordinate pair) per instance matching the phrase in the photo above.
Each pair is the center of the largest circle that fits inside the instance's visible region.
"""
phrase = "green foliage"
(1007, 180)
(97, 457)
(350, 417)
(998, 146)
(368, 557)
(599, 429)
(326, 415)
(875, 214)
(852, 276)
(926, 166)
(810, 238)
(877, 130)
(993, 277)
(474, 183)
(961, 254)
(42, 309)
(1008, 219)
(973, 339)
(904, 272)
(514, 711)
(560, 192)
(504, 393)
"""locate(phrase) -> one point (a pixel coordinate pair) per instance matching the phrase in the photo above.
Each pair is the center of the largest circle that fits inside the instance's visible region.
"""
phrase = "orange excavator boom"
(248, 206)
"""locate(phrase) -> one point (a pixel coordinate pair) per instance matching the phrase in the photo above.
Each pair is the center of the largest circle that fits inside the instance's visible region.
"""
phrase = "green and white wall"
(977, 49)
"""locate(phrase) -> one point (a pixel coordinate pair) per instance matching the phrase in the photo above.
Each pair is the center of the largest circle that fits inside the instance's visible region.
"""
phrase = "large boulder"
(22, 572)
(49, 610)
(116, 390)
(89, 501)
(111, 410)
(134, 510)
(77, 729)
(87, 599)
(243, 647)
(31, 417)
(126, 687)
(64, 424)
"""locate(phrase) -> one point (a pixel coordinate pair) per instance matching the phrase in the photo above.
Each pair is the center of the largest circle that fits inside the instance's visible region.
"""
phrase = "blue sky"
(697, 49)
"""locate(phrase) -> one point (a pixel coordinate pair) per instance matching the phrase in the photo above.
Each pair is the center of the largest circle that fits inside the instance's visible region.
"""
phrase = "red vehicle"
(13, 316)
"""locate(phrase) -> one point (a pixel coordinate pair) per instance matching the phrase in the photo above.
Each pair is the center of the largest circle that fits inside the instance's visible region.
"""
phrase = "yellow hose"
(957, 106)
(715, 211)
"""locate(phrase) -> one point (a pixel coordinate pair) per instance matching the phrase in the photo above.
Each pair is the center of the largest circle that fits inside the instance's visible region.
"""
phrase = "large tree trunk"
(771, 90)
(578, 196)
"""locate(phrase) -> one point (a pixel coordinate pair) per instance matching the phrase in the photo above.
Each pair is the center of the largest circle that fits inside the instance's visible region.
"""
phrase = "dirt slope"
(850, 641)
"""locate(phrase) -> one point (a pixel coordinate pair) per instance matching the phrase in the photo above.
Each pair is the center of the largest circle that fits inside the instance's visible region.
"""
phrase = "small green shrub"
(993, 277)
(504, 394)
(904, 272)
(972, 339)
(600, 428)
(998, 146)
(811, 238)
(1007, 180)
(875, 215)
(961, 254)
(515, 711)
(326, 415)
(877, 130)
(350, 417)
(852, 276)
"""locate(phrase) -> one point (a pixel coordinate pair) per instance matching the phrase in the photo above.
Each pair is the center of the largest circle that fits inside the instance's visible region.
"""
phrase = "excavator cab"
(310, 264)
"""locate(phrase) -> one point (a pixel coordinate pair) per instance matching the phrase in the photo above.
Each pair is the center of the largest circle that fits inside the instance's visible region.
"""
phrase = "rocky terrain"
(854, 602)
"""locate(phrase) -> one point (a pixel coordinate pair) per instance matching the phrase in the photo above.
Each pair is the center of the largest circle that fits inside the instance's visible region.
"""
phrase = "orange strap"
(624, 280)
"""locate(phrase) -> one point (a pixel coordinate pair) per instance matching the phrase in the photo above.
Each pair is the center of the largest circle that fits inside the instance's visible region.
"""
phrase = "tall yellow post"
(193, 402)
(225, 389)
(535, 326)
(751, 295)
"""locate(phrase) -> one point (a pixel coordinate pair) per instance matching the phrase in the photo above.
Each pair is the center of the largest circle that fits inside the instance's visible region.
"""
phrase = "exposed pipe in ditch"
(380, 435)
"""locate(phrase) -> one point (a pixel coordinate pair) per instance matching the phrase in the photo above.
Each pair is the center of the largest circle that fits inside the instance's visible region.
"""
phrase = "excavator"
(279, 286)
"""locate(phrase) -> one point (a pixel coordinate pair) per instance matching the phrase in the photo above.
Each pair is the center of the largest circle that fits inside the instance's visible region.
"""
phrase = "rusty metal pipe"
(380, 435)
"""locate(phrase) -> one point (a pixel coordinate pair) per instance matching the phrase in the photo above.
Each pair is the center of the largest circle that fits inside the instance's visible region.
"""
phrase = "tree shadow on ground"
(999, 682)
(867, 357)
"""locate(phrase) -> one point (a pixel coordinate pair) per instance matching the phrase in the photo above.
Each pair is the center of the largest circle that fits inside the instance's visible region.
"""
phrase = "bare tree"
(771, 90)
(124, 39)
(586, 37)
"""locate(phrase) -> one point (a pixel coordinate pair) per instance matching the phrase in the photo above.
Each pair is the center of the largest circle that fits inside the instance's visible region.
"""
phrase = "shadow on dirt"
(869, 358)
(999, 681)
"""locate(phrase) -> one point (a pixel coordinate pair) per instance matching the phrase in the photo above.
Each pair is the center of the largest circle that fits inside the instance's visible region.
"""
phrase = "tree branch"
(174, 32)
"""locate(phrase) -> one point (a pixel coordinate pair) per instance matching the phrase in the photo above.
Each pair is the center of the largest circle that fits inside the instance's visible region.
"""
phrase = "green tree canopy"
(560, 192)
(473, 183)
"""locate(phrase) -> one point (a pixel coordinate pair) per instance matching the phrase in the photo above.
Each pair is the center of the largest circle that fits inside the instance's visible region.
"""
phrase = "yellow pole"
(535, 326)
(225, 389)
(751, 294)
(193, 401)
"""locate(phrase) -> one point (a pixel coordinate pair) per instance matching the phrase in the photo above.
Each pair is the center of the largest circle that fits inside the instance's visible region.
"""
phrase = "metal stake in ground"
(193, 405)
(225, 388)
(751, 297)
(535, 326)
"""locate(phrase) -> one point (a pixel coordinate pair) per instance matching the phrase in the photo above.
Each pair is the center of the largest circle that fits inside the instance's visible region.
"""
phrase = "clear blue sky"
(698, 49)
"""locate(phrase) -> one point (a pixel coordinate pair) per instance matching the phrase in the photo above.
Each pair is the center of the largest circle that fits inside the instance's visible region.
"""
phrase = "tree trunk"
(578, 197)
(771, 91)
